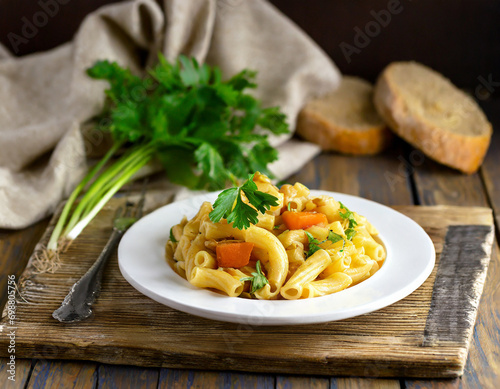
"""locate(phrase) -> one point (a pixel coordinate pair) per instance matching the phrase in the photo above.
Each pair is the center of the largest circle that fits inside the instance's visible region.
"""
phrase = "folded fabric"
(46, 98)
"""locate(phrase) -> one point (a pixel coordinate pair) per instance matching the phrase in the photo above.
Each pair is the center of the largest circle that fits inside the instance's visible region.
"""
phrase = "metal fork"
(77, 305)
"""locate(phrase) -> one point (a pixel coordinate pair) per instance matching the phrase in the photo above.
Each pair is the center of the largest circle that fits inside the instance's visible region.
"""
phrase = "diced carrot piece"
(234, 254)
(303, 220)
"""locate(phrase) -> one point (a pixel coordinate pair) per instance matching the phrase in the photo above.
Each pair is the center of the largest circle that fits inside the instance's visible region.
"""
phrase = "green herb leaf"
(334, 237)
(224, 204)
(172, 237)
(212, 166)
(350, 233)
(258, 279)
(347, 215)
(313, 244)
(229, 205)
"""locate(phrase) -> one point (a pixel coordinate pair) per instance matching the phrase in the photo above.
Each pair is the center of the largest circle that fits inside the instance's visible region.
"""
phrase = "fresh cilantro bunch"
(204, 131)
(229, 205)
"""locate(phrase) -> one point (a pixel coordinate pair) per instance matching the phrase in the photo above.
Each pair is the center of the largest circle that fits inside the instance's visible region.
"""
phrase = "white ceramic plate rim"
(410, 260)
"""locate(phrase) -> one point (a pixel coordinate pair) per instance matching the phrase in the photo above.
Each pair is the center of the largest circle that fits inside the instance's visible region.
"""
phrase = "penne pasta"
(216, 279)
(332, 284)
(306, 272)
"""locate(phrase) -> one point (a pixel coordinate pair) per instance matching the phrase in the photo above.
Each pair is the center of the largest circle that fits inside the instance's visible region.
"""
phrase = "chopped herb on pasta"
(258, 279)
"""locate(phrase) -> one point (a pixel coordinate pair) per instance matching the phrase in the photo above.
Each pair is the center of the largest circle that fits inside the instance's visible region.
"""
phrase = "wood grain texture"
(459, 283)
(21, 376)
(436, 384)
(381, 178)
(180, 379)
(113, 377)
(129, 328)
(294, 382)
(15, 250)
(490, 171)
(439, 185)
(483, 365)
(369, 383)
(58, 374)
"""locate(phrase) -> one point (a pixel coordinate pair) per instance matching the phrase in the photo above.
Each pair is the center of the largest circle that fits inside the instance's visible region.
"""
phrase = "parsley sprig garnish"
(257, 278)
(230, 205)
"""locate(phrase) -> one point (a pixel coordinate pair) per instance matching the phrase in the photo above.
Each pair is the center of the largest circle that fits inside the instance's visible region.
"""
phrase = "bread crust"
(315, 128)
(462, 152)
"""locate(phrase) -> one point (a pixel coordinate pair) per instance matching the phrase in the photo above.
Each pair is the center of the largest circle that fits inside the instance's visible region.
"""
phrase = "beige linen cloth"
(46, 97)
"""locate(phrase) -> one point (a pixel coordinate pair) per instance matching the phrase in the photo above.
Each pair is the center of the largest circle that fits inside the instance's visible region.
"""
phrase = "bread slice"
(345, 120)
(428, 111)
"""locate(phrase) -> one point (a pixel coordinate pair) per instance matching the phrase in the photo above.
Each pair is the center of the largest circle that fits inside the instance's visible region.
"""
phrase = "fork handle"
(78, 303)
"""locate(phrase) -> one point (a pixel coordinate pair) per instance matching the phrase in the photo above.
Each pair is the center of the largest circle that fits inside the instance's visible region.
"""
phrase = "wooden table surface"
(400, 176)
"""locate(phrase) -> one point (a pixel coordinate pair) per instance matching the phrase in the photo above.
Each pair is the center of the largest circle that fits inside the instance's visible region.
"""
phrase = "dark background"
(459, 38)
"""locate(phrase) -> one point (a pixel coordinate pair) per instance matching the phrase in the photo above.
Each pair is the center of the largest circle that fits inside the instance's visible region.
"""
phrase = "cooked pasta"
(326, 249)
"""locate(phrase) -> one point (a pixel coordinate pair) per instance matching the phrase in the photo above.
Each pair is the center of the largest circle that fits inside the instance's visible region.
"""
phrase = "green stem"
(112, 178)
(104, 199)
(112, 172)
(56, 233)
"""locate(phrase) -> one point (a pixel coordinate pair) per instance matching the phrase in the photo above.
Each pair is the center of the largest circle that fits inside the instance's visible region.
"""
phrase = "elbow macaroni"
(283, 253)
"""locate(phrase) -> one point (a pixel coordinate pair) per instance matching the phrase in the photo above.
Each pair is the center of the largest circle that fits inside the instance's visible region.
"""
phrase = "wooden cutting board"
(427, 334)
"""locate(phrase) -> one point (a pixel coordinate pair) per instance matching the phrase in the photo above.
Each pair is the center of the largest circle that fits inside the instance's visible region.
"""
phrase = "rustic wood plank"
(435, 384)
(297, 382)
(160, 339)
(436, 184)
(366, 383)
(15, 250)
(483, 365)
(439, 185)
(20, 374)
(457, 288)
(110, 377)
(180, 379)
(63, 374)
(490, 170)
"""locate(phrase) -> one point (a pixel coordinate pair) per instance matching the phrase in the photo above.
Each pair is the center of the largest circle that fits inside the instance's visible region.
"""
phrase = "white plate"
(410, 260)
